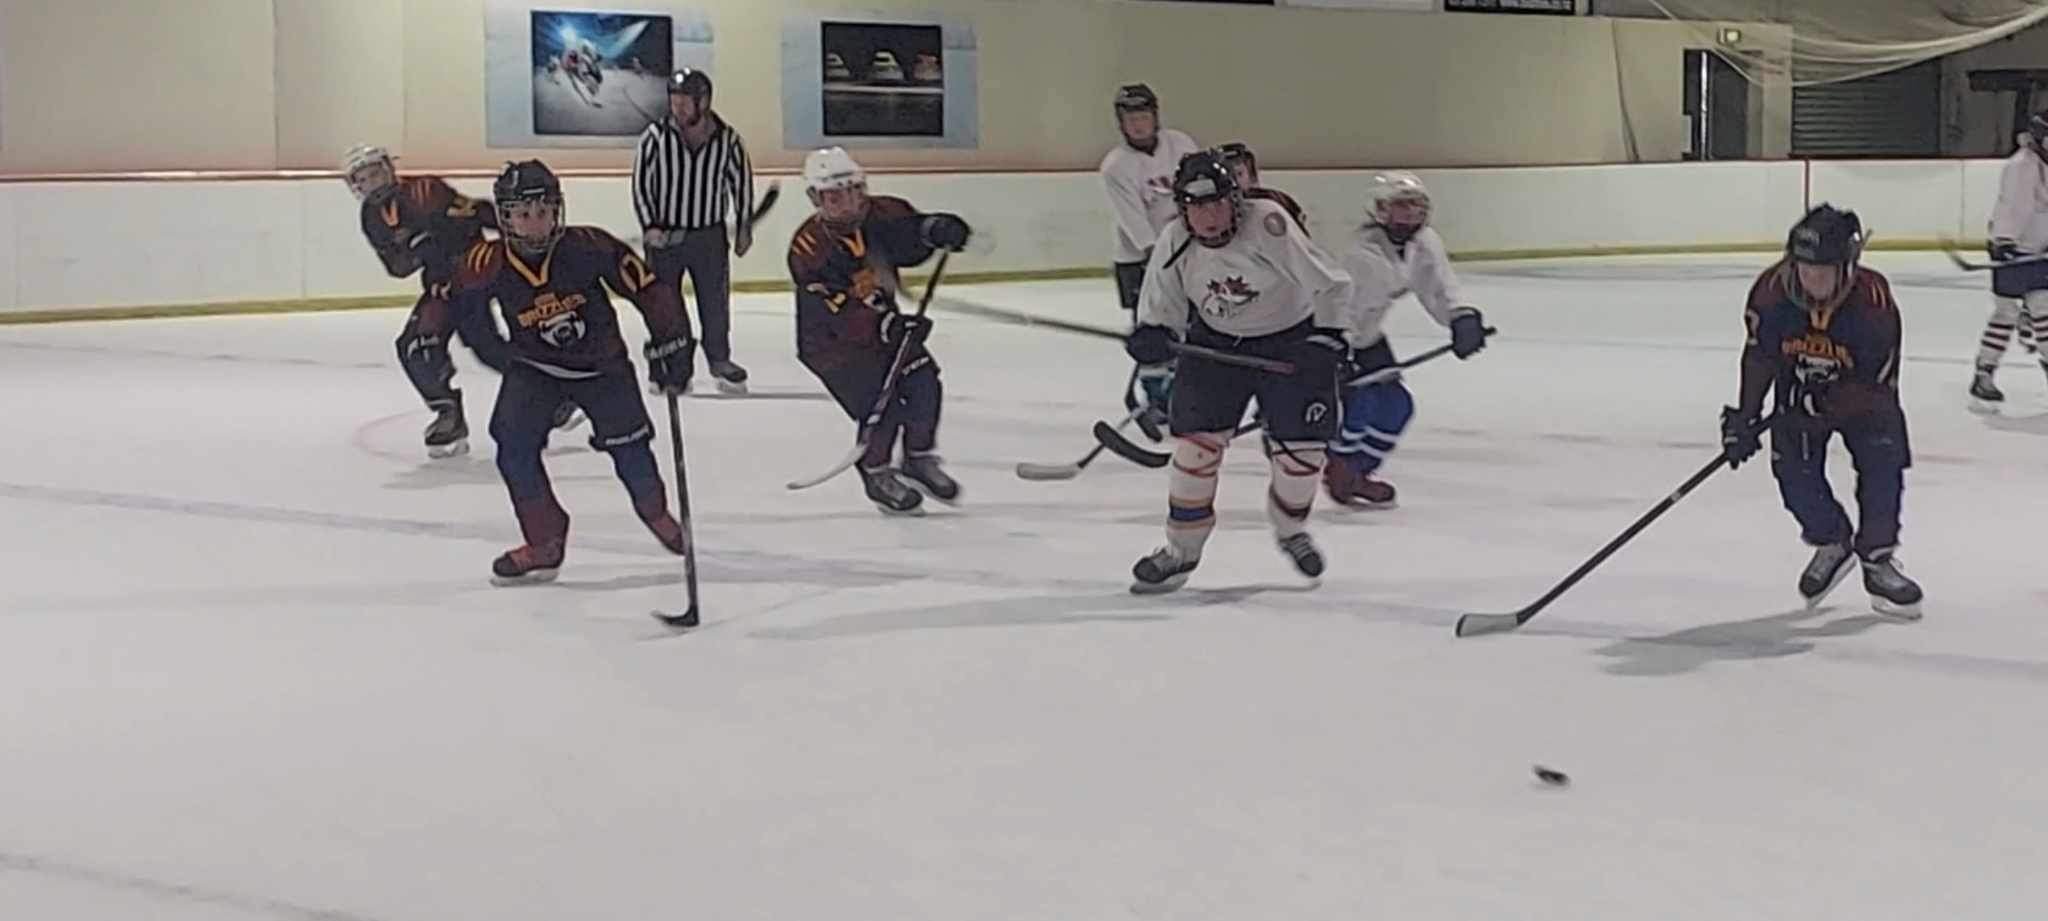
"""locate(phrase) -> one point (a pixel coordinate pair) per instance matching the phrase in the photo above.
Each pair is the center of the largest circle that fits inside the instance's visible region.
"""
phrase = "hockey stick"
(1179, 348)
(1113, 439)
(1968, 266)
(1477, 624)
(883, 399)
(688, 618)
(1031, 471)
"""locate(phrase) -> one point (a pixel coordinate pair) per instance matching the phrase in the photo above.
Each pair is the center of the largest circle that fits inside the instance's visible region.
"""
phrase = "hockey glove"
(1740, 437)
(1468, 332)
(1156, 383)
(897, 327)
(671, 363)
(946, 231)
(2003, 250)
(1150, 345)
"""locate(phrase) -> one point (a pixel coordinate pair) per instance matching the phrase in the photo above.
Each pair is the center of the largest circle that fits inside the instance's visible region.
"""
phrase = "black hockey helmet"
(1238, 152)
(690, 82)
(1136, 97)
(1827, 235)
(1203, 176)
(523, 182)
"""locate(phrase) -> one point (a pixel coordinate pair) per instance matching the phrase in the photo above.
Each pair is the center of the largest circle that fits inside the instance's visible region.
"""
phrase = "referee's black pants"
(706, 255)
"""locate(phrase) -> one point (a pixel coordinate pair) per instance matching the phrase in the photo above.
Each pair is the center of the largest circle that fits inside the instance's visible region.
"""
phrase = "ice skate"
(888, 491)
(527, 564)
(731, 378)
(448, 434)
(1301, 550)
(1355, 490)
(1827, 569)
(567, 416)
(1985, 395)
(927, 476)
(1162, 572)
(1892, 592)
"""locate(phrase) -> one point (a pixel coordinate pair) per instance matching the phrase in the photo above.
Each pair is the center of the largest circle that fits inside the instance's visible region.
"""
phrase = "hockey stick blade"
(1110, 438)
(683, 621)
(852, 457)
(1481, 624)
(1031, 471)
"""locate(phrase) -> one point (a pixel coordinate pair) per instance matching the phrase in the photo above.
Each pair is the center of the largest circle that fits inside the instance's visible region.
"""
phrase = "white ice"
(250, 665)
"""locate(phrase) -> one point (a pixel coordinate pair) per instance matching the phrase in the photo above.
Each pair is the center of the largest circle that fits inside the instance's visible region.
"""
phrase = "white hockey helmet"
(1398, 186)
(832, 168)
(357, 166)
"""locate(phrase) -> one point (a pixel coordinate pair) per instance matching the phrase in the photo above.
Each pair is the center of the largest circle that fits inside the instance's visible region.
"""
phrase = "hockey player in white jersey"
(2019, 229)
(1239, 276)
(1138, 175)
(1393, 253)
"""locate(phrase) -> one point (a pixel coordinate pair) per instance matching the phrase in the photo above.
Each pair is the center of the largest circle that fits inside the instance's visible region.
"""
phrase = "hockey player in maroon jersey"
(550, 282)
(421, 224)
(843, 262)
(1824, 334)
(1244, 165)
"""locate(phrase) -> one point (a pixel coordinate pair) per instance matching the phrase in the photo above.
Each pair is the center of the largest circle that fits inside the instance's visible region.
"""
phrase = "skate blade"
(732, 388)
(1907, 612)
(915, 511)
(1983, 407)
(1167, 586)
(451, 449)
(1362, 506)
(926, 491)
(532, 577)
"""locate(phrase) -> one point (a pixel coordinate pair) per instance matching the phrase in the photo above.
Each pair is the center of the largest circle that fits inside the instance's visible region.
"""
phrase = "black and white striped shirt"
(676, 188)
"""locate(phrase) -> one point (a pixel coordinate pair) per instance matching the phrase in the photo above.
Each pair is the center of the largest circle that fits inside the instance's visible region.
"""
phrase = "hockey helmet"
(690, 82)
(1238, 153)
(368, 170)
(1395, 187)
(529, 182)
(1826, 236)
(832, 168)
(1136, 97)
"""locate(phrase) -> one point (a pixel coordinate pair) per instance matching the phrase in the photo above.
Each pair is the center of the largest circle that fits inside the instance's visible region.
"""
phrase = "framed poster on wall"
(582, 78)
(874, 81)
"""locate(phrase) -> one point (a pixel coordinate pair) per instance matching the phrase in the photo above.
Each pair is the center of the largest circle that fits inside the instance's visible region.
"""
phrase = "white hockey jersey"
(1383, 271)
(1141, 192)
(1268, 278)
(2021, 214)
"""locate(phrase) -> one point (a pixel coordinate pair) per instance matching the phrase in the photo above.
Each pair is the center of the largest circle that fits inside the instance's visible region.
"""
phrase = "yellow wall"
(201, 84)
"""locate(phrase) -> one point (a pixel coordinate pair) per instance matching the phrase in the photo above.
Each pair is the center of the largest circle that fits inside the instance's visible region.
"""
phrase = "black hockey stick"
(1031, 471)
(1969, 266)
(873, 420)
(1477, 624)
(1179, 348)
(1113, 439)
(688, 618)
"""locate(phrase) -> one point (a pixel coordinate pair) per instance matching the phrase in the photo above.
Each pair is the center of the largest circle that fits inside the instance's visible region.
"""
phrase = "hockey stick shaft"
(1476, 624)
(1969, 266)
(873, 419)
(1180, 348)
(688, 618)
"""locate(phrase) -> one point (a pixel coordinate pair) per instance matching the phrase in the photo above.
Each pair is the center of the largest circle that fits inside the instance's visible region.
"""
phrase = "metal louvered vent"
(1896, 114)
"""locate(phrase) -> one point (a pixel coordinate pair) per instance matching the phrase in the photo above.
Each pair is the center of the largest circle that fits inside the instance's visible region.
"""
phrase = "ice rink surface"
(251, 666)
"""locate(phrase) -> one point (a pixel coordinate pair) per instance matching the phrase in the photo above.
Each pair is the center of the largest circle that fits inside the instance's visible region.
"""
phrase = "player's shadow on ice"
(471, 470)
(2036, 424)
(1773, 637)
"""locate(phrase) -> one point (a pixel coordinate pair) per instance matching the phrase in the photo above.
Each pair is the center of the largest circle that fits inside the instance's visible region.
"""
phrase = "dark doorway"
(1716, 107)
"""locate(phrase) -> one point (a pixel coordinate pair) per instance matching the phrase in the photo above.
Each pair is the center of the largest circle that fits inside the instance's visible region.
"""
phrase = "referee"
(690, 167)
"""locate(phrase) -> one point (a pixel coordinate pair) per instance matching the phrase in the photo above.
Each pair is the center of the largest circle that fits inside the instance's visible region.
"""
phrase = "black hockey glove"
(1150, 345)
(946, 231)
(671, 363)
(1468, 332)
(897, 327)
(1740, 436)
(2003, 250)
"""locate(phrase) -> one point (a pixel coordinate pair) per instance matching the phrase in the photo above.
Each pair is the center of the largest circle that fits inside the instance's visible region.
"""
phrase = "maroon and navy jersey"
(558, 310)
(1848, 347)
(845, 277)
(423, 222)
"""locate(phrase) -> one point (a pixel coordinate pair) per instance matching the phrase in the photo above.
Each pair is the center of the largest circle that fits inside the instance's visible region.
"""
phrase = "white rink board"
(86, 244)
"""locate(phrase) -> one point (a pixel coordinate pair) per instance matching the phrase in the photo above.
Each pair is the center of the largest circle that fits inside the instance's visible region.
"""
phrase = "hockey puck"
(1553, 778)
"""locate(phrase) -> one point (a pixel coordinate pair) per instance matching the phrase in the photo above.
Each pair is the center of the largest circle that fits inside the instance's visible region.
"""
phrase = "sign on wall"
(1540, 7)
(1398, 6)
(582, 78)
(860, 81)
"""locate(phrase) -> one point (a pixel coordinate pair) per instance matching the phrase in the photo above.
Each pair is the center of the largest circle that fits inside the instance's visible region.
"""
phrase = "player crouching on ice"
(844, 262)
(1257, 287)
(549, 281)
(1824, 333)
(1395, 252)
